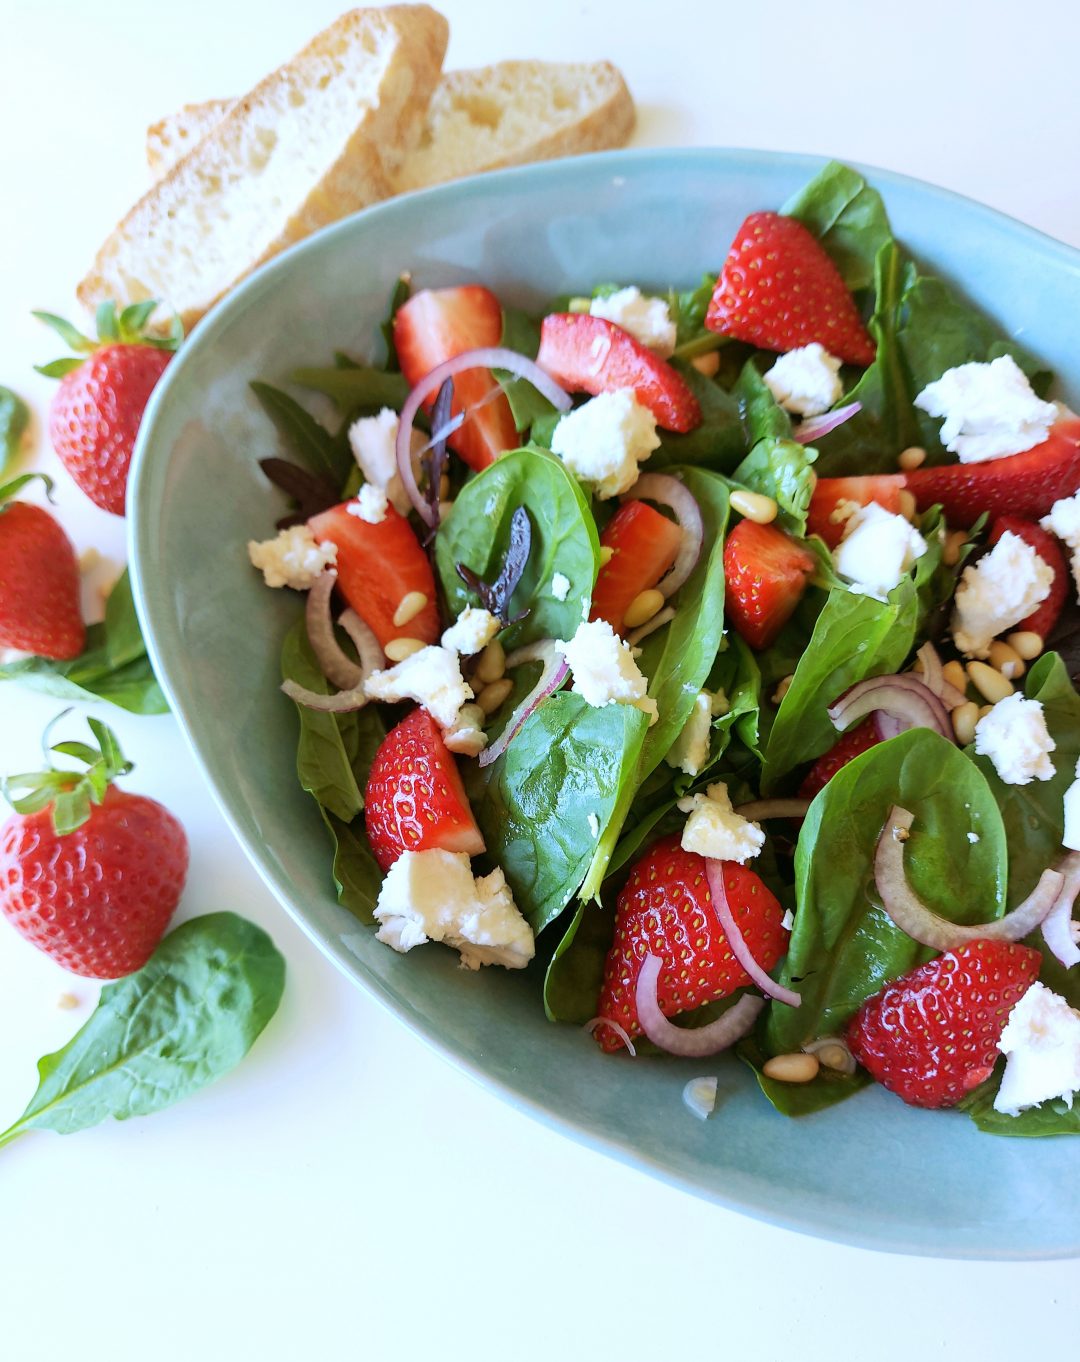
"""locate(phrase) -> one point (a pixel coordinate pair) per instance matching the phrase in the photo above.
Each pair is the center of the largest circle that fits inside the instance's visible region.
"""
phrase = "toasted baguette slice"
(320, 137)
(502, 115)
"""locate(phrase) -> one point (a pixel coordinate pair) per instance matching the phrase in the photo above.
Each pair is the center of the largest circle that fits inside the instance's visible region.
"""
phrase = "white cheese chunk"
(989, 410)
(690, 750)
(372, 440)
(472, 630)
(293, 559)
(876, 550)
(715, 830)
(805, 381)
(560, 586)
(997, 592)
(432, 677)
(647, 319)
(1064, 521)
(603, 441)
(605, 672)
(1015, 738)
(1042, 1043)
(370, 505)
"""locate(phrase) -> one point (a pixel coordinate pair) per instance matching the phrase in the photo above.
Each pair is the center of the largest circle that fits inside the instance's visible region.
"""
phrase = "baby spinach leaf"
(718, 442)
(399, 296)
(564, 539)
(576, 970)
(781, 469)
(521, 333)
(356, 390)
(180, 1022)
(847, 217)
(123, 637)
(844, 947)
(569, 770)
(14, 419)
(798, 1099)
(737, 674)
(357, 877)
(854, 637)
(688, 308)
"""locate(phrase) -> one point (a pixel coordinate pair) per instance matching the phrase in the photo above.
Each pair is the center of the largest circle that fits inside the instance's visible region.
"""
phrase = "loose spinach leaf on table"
(14, 419)
(564, 539)
(180, 1022)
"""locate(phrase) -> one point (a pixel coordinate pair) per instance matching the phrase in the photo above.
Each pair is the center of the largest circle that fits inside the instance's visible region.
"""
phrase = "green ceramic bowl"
(871, 1171)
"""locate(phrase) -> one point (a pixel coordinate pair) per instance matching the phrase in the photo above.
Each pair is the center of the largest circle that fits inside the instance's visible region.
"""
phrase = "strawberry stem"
(129, 328)
(70, 794)
(9, 490)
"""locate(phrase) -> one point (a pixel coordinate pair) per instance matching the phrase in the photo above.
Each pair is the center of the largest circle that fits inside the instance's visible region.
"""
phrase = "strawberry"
(592, 355)
(437, 324)
(414, 800)
(377, 567)
(39, 580)
(779, 289)
(931, 1035)
(826, 517)
(766, 573)
(1045, 615)
(89, 874)
(644, 545)
(665, 909)
(95, 415)
(852, 744)
(1024, 484)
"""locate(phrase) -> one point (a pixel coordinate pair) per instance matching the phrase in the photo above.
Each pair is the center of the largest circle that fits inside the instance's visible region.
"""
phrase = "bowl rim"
(585, 168)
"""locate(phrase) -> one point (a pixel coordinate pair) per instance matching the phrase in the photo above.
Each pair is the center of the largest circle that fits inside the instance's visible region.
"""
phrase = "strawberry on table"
(833, 498)
(852, 744)
(665, 909)
(415, 800)
(931, 1035)
(90, 874)
(95, 414)
(39, 580)
(643, 545)
(439, 324)
(766, 573)
(378, 565)
(1045, 615)
(779, 290)
(592, 355)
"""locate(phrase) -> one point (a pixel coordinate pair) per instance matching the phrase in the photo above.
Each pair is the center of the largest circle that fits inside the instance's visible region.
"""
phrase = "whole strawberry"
(95, 415)
(89, 874)
(39, 580)
(931, 1035)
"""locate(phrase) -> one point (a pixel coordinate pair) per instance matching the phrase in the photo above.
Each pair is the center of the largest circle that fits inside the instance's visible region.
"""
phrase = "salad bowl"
(870, 1171)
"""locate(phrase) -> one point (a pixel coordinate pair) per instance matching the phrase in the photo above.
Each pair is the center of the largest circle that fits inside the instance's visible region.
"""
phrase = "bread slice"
(502, 115)
(320, 137)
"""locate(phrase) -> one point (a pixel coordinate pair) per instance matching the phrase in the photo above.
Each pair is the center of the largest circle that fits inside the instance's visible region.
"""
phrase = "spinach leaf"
(688, 308)
(762, 416)
(356, 390)
(527, 405)
(309, 441)
(798, 1099)
(854, 637)
(399, 296)
(184, 1019)
(844, 947)
(568, 771)
(113, 666)
(781, 469)
(14, 419)
(357, 877)
(718, 442)
(564, 539)
(576, 970)
(737, 674)
(847, 217)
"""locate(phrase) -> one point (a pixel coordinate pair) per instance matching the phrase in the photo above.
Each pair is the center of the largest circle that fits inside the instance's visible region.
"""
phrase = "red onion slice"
(489, 357)
(933, 677)
(922, 924)
(368, 647)
(902, 697)
(551, 678)
(1059, 930)
(658, 621)
(620, 1031)
(670, 492)
(341, 702)
(814, 427)
(692, 1044)
(714, 873)
(338, 669)
(757, 809)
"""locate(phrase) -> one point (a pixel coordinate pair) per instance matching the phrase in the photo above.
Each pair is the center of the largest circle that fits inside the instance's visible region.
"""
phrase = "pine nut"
(492, 696)
(835, 1056)
(954, 542)
(793, 1068)
(954, 673)
(607, 553)
(985, 710)
(1025, 644)
(491, 664)
(398, 649)
(642, 608)
(1006, 659)
(991, 685)
(964, 718)
(709, 364)
(754, 506)
(911, 457)
(67, 1001)
(782, 689)
(907, 505)
(410, 607)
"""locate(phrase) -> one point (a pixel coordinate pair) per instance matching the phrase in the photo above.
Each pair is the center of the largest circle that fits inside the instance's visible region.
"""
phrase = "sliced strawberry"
(1045, 615)
(644, 545)
(826, 516)
(1025, 485)
(665, 909)
(377, 567)
(592, 355)
(414, 799)
(766, 574)
(852, 744)
(931, 1035)
(437, 324)
(779, 290)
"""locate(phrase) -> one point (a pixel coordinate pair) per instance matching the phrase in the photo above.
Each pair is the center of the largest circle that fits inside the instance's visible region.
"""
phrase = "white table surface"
(346, 1192)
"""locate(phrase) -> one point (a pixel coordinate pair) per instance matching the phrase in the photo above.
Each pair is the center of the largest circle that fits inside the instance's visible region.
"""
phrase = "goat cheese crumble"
(876, 550)
(997, 592)
(293, 559)
(805, 381)
(605, 672)
(1041, 1042)
(471, 631)
(647, 319)
(370, 505)
(603, 441)
(989, 410)
(432, 677)
(715, 830)
(372, 440)
(1015, 738)
(1064, 522)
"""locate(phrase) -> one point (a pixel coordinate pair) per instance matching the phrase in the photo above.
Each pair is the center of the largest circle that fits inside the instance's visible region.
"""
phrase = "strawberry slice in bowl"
(644, 545)
(766, 573)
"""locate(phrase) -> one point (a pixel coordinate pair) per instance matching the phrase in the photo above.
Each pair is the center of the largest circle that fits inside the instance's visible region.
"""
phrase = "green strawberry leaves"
(126, 328)
(70, 793)
(14, 420)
